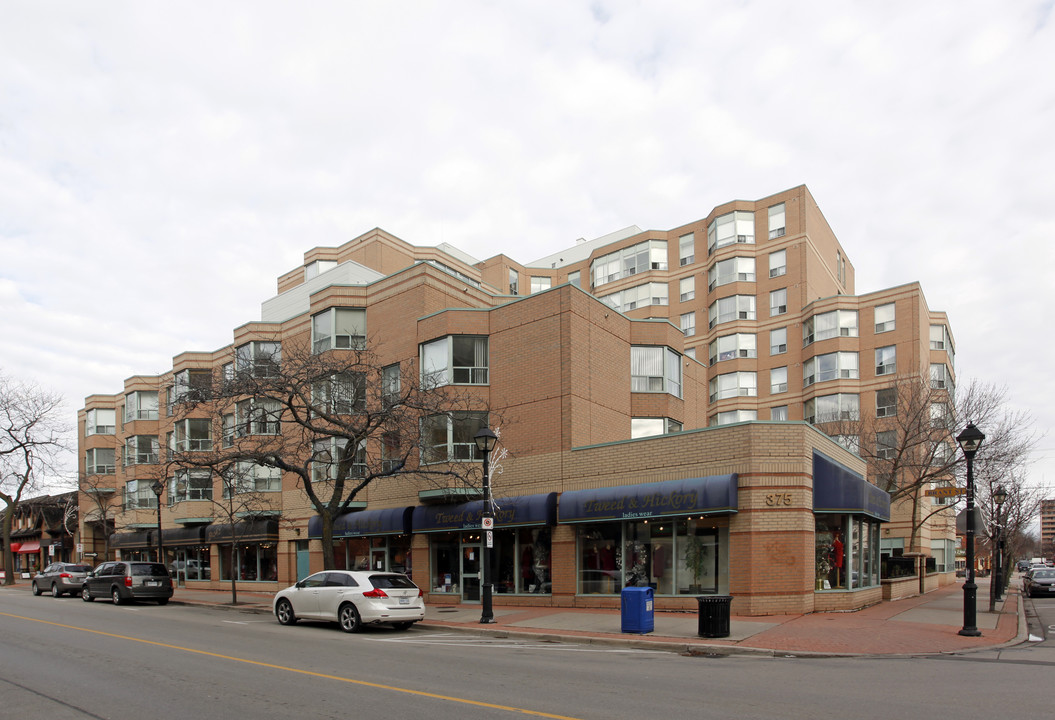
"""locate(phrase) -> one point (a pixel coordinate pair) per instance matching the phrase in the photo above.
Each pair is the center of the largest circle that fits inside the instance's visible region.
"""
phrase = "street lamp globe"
(970, 440)
(485, 440)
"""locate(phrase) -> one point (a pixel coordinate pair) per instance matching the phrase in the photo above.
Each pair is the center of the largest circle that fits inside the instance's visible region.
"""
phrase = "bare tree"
(105, 504)
(338, 420)
(31, 440)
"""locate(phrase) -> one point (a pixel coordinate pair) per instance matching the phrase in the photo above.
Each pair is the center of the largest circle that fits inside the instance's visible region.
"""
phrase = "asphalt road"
(63, 658)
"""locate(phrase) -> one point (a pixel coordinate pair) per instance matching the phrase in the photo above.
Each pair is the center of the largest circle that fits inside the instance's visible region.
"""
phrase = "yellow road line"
(272, 666)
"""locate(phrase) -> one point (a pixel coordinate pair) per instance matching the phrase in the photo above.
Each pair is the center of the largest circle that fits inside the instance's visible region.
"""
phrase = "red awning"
(15, 546)
(32, 546)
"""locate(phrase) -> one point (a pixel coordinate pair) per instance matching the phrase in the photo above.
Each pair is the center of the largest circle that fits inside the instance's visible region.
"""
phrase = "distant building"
(659, 390)
(44, 529)
(1047, 528)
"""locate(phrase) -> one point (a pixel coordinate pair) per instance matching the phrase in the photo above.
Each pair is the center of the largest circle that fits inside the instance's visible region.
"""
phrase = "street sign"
(490, 539)
(946, 492)
(488, 523)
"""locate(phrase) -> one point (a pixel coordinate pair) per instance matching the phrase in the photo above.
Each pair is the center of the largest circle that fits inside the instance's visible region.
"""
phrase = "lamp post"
(999, 497)
(158, 487)
(970, 440)
(485, 442)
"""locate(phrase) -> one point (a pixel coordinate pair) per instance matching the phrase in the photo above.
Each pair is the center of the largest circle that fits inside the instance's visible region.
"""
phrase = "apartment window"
(227, 374)
(100, 461)
(637, 297)
(575, 278)
(338, 329)
(141, 405)
(138, 494)
(688, 324)
(778, 380)
(687, 288)
(732, 347)
(190, 485)
(455, 359)
(258, 416)
(686, 249)
(729, 309)
(735, 384)
(840, 267)
(884, 318)
(832, 408)
(779, 413)
(514, 282)
(886, 444)
(193, 435)
(540, 283)
(648, 427)
(192, 385)
(100, 421)
(390, 385)
(851, 443)
(340, 394)
(886, 360)
(939, 377)
(832, 366)
(655, 369)
(737, 269)
(314, 269)
(778, 302)
(886, 402)
(941, 340)
(778, 263)
(776, 221)
(250, 477)
(940, 415)
(227, 428)
(733, 416)
(729, 229)
(141, 450)
(690, 353)
(327, 456)
(778, 341)
(259, 359)
(449, 437)
(629, 261)
(836, 323)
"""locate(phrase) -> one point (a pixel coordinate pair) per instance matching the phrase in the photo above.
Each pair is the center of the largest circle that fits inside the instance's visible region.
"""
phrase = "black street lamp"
(158, 487)
(999, 497)
(970, 440)
(485, 442)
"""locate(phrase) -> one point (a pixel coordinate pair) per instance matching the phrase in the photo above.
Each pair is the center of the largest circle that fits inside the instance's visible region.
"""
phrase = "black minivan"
(126, 580)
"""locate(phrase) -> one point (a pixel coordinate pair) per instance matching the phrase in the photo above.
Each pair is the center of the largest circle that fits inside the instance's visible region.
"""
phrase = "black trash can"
(714, 615)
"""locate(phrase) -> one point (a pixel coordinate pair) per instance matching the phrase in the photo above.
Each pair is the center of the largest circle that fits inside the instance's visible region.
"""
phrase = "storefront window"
(254, 562)
(520, 562)
(674, 557)
(840, 566)
(446, 562)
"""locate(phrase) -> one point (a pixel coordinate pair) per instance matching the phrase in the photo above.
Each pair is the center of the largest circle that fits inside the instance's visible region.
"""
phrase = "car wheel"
(86, 594)
(55, 592)
(349, 618)
(163, 601)
(402, 625)
(284, 613)
(36, 590)
(115, 595)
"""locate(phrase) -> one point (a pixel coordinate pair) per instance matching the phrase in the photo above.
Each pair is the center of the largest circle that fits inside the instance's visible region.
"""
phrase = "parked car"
(1023, 565)
(60, 578)
(352, 598)
(1039, 581)
(127, 580)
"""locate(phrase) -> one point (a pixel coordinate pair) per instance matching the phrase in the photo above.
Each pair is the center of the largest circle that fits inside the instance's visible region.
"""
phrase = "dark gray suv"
(127, 580)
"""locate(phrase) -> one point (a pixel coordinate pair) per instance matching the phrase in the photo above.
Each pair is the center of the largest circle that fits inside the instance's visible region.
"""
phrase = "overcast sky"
(162, 163)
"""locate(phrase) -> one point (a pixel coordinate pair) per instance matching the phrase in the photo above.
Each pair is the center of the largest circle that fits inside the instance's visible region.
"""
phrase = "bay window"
(737, 269)
(100, 421)
(823, 326)
(655, 369)
(729, 309)
(735, 384)
(141, 450)
(100, 461)
(831, 366)
(455, 359)
(193, 435)
(338, 329)
(732, 347)
(729, 229)
(449, 437)
(258, 359)
(141, 405)
(832, 408)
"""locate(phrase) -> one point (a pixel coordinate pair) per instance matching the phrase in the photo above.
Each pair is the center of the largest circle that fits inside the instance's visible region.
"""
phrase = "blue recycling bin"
(636, 605)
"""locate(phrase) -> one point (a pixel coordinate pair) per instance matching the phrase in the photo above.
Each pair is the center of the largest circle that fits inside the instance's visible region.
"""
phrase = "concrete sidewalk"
(913, 626)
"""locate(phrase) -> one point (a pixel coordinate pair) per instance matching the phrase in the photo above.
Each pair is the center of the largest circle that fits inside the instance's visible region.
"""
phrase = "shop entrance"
(470, 570)
(377, 558)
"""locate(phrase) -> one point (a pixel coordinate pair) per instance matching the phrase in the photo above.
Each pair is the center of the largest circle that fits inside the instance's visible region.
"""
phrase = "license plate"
(404, 601)
(153, 583)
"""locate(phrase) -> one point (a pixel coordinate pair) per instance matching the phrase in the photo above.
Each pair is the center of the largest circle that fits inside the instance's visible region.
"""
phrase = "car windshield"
(1047, 574)
(391, 581)
(154, 569)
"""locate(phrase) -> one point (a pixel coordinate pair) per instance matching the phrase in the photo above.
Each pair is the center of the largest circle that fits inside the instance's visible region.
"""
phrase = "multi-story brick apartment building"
(646, 448)
(1047, 528)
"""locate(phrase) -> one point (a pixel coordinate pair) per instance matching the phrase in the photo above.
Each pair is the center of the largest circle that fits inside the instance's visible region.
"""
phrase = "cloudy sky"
(162, 163)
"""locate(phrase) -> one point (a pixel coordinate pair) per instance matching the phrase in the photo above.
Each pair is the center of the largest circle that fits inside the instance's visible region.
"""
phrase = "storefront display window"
(841, 566)
(254, 562)
(446, 562)
(673, 556)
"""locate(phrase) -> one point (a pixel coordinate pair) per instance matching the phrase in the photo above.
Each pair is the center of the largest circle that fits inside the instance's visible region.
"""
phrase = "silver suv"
(126, 580)
(60, 578)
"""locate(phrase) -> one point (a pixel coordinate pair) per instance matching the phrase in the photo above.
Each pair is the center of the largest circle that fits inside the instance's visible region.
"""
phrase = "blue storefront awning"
(517, 511)
(389, 521)
(669, 498)
(838, 489)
